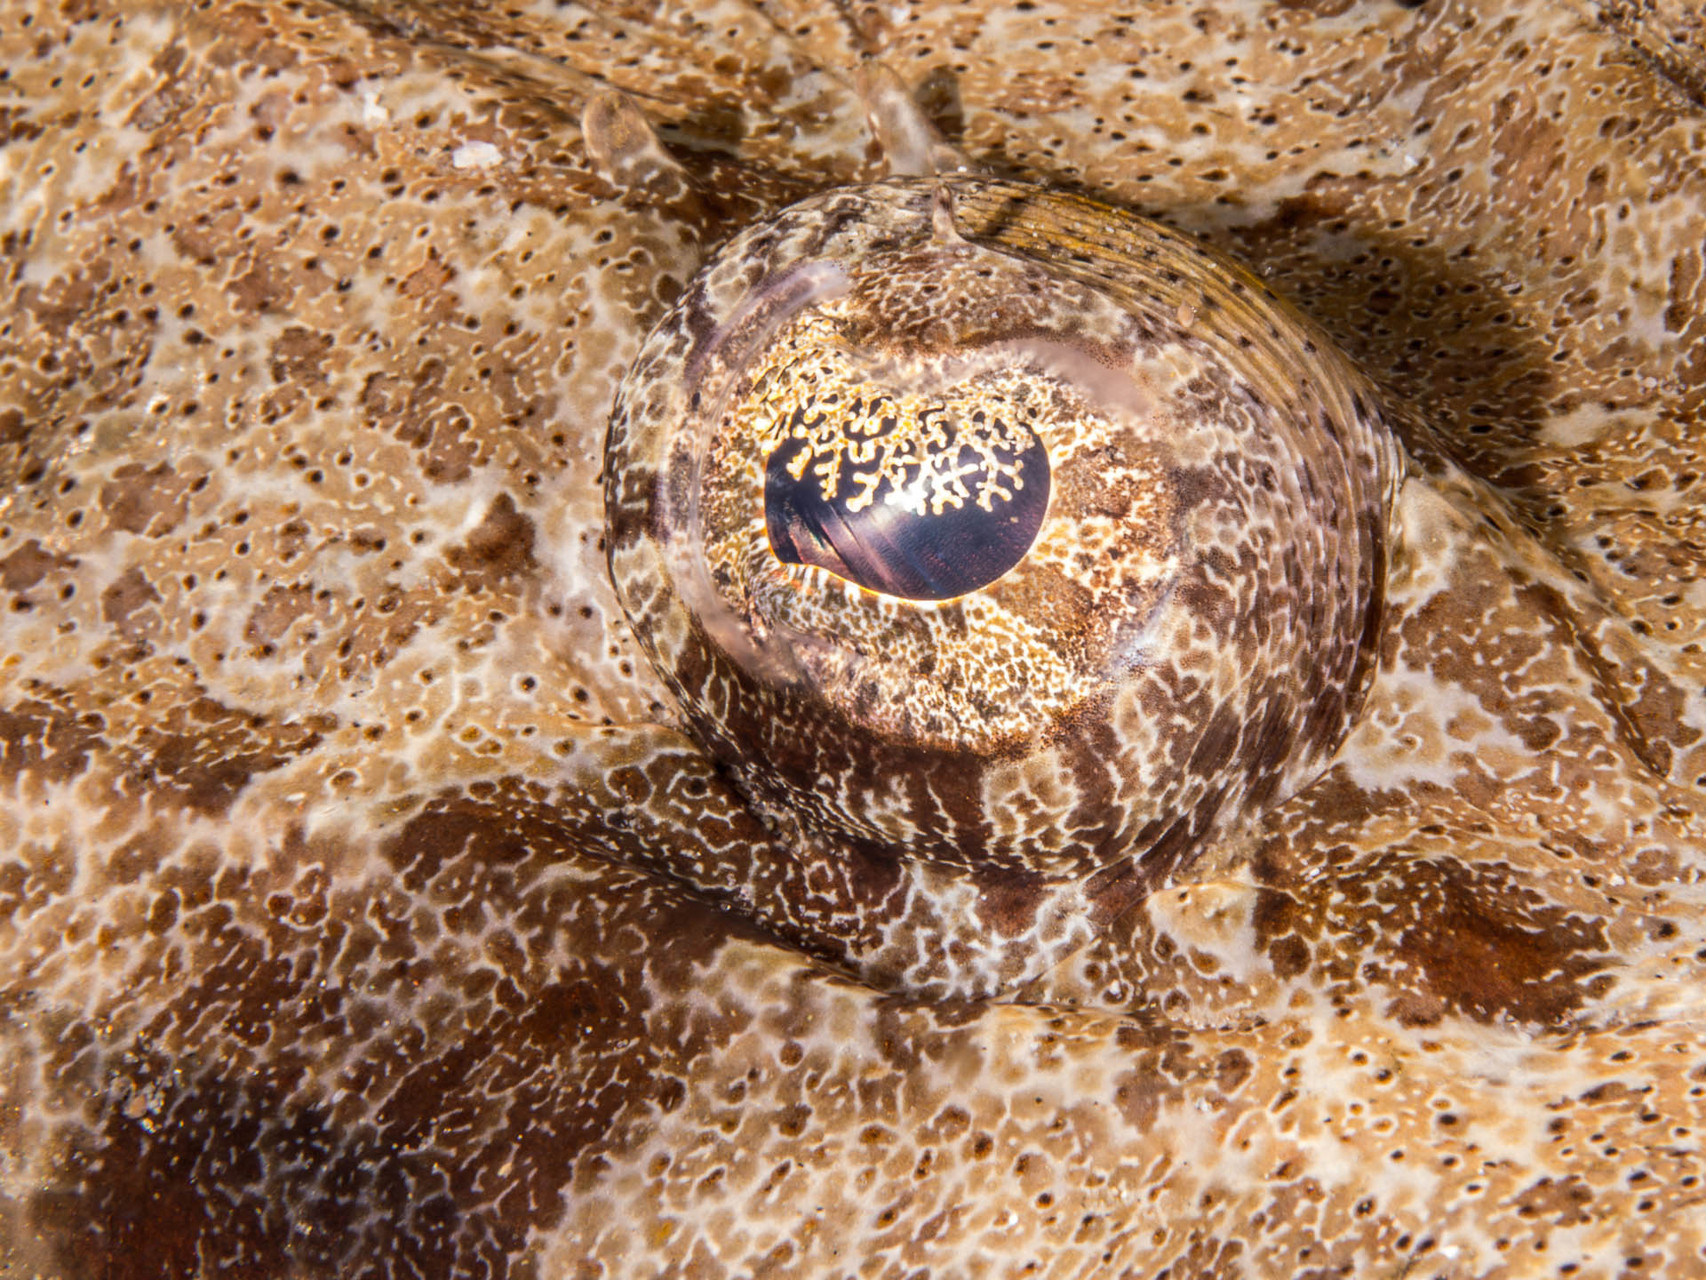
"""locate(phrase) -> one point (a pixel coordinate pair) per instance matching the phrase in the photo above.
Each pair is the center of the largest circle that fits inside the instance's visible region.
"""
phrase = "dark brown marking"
(29, 564)
(500, 547)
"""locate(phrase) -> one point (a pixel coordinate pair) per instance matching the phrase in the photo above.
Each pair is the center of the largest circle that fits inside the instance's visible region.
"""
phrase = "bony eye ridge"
(1034, 537)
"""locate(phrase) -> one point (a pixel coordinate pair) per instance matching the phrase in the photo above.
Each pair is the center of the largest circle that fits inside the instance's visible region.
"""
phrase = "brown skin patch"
(55, 305)
(499, 548)
(1161, 1068)
(299, 355)
(1657, 715)
(125, 605)
(258, 285)
(150, 501)
(454, 827)
(907, 1039)
(143, 1215)
(1473, 942)
(1563, 1202)
(1113, 890)
(1289, 956)
(417, 412)
(14, 427)
(482, 850)
(1231, 1070)
(140, 857)
(1007, 900)
(1443, 936)
(40, 739)
(382, 1189)
(29, 564)
(1282, 921)
(204, 754)
(32, 877)
(279, 608)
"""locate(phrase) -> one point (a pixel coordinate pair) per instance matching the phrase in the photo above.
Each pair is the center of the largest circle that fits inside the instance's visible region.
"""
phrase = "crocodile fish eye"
(994, 526)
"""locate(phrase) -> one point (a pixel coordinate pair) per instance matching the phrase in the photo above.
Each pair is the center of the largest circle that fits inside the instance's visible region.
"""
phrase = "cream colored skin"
(353, 869)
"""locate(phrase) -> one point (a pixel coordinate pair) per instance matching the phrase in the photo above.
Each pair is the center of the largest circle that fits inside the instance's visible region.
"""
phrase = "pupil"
(926, 514)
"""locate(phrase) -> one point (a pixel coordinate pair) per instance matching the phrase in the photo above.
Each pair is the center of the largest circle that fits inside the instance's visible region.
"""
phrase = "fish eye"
(991, 526)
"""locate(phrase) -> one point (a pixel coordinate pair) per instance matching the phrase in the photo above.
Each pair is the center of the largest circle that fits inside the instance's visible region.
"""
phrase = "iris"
(929, 513)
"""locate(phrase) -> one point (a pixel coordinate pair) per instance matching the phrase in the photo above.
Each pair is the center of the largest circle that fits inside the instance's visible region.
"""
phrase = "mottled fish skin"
(365, 909)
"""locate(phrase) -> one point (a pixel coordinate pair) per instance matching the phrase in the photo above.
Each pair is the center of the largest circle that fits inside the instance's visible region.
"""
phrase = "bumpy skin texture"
(363, 908)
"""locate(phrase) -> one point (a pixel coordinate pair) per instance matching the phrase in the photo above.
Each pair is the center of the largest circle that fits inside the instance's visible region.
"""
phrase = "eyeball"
(999, 528)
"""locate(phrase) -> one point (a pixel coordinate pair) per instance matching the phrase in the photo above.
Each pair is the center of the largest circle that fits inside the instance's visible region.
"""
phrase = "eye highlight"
(1037, 538)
